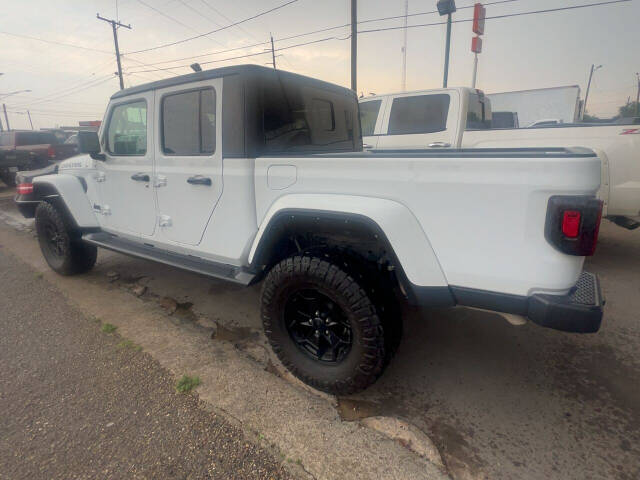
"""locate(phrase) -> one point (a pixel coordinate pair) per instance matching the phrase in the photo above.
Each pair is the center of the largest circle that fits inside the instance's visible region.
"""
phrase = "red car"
(28, 150)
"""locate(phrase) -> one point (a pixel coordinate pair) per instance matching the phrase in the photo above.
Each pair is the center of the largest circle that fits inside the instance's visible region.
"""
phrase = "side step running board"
(186, 262)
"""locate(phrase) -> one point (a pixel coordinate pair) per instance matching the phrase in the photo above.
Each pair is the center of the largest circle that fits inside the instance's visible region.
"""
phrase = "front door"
(127, 200)
(188, 159)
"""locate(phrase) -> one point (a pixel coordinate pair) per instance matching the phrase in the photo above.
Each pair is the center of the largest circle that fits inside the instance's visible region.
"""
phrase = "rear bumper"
(580, 311)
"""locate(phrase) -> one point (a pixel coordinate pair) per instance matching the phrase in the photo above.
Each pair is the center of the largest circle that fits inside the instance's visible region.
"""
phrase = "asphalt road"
(74, 403)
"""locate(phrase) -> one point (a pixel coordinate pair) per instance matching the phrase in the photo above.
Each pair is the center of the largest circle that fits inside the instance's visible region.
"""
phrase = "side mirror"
(88, 142)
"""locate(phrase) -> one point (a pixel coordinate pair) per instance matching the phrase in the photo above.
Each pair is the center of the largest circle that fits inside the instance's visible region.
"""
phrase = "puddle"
(351, 410)
(233, 334)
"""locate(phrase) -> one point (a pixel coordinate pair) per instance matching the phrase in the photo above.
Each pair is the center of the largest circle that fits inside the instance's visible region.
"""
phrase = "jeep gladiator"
(250, 174)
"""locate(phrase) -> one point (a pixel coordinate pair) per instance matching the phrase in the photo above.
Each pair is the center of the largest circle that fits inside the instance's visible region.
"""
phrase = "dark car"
(28, 150)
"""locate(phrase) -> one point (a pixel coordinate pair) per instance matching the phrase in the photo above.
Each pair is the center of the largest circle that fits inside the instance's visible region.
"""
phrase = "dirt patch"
(351, 410)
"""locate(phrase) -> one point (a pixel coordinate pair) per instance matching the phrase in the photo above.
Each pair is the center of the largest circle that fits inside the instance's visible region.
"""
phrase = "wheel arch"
(378, 230)
(68, 193)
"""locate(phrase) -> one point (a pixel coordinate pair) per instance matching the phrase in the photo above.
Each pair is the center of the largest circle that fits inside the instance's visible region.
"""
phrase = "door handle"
(366, 146)
(439, 145)
(140, 177)
(199, 180)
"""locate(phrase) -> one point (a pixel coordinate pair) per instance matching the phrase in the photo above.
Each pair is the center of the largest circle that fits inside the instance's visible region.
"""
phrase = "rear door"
(429, 120)
(188, 180)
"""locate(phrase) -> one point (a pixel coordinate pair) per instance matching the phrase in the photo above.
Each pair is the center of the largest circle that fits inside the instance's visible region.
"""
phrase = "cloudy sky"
(72, 77)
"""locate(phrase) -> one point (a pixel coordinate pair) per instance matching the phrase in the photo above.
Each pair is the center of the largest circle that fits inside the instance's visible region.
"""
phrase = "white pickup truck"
(461, 118)
(247, 174)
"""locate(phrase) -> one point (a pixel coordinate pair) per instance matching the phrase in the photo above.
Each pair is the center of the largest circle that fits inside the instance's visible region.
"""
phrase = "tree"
(587, 118)
(629, 110)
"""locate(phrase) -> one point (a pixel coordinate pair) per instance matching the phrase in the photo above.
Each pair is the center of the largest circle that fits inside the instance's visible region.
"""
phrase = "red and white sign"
(476, 45)
(479, 14)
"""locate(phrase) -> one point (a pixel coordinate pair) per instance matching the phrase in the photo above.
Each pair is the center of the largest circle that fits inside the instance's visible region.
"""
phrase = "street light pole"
(447, 49)
(586, 95)
(354, 45)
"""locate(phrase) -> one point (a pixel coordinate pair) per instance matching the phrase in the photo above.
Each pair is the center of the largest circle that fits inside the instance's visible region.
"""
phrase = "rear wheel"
(322, 325)
(61, 246)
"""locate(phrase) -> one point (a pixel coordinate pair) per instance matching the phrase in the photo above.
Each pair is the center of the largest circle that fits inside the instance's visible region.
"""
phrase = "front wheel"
(61, 247)
(322, 325)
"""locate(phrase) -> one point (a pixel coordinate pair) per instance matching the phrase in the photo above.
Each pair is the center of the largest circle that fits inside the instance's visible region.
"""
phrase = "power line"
(216, 30)
(312, 32)
(63, 44)
(496, 17)
(173, 19)
(93, 83)
(397, 28)
(255, 54)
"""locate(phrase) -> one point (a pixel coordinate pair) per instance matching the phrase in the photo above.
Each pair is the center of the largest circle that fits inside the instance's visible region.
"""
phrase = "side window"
(189, 123)
(419, 114)
(369, 116)
(127, 129)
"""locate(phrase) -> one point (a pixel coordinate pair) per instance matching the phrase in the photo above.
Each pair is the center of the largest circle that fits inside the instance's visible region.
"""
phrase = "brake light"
(24, 188)
(571, 223)
(630, 131)
(51, 152)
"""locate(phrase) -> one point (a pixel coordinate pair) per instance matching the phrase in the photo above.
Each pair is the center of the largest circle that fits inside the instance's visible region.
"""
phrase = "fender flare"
(70, 191)
(402, 230)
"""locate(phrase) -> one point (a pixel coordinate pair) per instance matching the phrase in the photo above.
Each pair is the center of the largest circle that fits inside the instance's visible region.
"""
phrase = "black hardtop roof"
(251, 71)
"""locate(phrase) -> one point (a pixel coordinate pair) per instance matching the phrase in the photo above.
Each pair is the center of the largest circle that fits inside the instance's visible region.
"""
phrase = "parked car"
(28, 150)
(436, 119)
(545, 122)
(252, 174)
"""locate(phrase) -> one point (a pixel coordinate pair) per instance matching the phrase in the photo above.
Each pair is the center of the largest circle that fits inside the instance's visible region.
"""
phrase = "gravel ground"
(76, 403)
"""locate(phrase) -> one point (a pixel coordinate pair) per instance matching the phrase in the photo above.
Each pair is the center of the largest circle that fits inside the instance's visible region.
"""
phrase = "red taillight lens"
(24, 188)
(51, 152)
(571, 223)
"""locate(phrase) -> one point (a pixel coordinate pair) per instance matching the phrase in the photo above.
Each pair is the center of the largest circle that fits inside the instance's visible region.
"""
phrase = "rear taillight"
(573, 224)
(24, 188)
(51, 152)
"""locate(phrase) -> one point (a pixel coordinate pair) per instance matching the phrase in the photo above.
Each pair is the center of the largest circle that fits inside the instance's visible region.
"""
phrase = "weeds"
(108, 328)
(130, 344)
(187, 383)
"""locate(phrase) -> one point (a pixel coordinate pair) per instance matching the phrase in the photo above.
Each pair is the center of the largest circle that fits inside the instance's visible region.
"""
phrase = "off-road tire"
(366, 359)
(72, 256)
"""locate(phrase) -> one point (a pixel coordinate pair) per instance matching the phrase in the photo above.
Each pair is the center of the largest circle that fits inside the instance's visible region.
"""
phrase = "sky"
(72, 79)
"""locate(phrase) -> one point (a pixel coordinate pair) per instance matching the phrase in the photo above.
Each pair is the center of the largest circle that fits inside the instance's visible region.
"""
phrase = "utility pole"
(29, 115)
(273, 52)
(404, 47)
(447, 49)
(638, 96)
(6, 118)
(586, 95)
(354, 45)
(114, 25)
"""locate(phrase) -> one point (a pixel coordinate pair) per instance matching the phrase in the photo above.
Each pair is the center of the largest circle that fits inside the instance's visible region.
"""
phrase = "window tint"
(369, 116)
(127, 130)
(35, 138)
(419, 114)
(478, 115)
(299, 117)
(189, 123)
